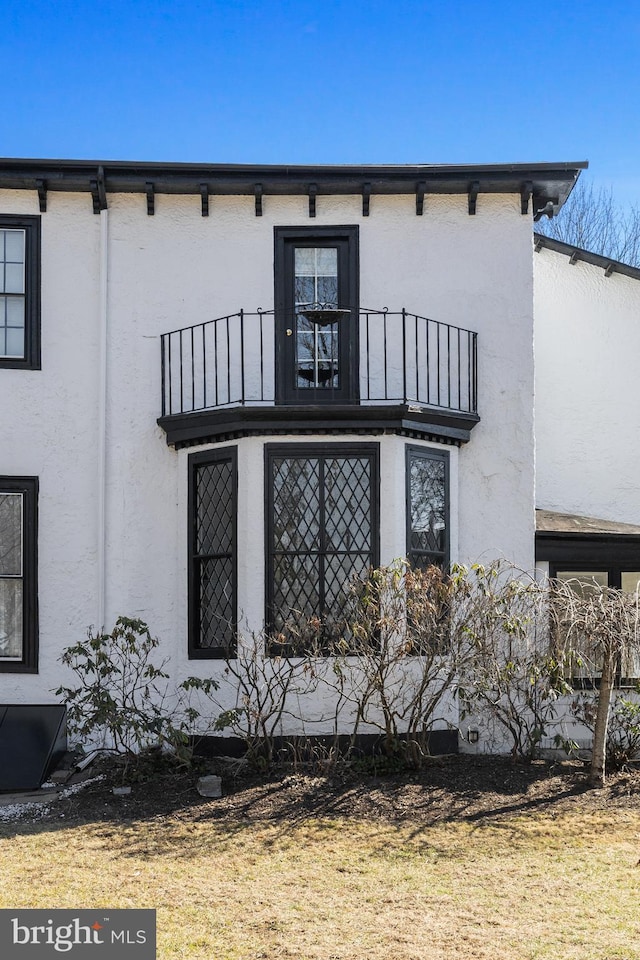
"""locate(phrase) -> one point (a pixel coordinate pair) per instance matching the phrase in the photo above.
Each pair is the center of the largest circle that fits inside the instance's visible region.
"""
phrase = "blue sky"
(329, 81)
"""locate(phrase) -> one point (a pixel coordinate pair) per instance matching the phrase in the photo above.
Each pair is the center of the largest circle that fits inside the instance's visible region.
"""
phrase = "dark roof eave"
(548, 181)
(577, 253)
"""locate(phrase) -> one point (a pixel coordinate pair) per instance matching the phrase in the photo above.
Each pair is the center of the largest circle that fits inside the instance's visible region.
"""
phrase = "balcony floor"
(230, 422)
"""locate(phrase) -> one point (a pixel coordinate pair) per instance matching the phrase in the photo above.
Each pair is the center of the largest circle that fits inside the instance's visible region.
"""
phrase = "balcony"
(407, 374)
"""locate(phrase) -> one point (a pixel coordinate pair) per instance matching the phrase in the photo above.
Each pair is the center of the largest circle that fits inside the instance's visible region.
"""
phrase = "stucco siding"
(587, 342)
(177, 268)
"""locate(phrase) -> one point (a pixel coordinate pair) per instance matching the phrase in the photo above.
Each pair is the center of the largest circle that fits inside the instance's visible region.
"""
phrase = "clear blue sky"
(329, 81)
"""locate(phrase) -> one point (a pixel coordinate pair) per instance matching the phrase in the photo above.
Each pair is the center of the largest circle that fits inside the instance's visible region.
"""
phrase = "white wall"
(178, 268)
(587, 344)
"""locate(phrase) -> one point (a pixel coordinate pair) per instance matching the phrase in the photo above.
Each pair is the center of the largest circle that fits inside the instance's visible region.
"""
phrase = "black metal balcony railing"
(404, 359)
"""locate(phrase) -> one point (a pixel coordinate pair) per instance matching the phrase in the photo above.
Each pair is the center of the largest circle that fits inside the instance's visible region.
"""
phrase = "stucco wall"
(177, 268)
(587, 344)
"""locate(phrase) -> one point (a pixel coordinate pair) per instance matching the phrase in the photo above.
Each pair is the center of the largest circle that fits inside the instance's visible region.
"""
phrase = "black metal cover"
(33, 737)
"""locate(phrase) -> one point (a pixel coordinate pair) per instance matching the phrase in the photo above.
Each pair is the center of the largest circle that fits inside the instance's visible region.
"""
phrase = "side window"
(20, 292)
(427, 507)
(213, 497)
(18, 575)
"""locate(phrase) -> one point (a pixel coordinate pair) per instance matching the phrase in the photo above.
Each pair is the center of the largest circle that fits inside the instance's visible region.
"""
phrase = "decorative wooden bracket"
(151, 199)
(474, 189)
(204, 195)
(573, 259)
(525, 195)
(421, 189)
(41, 187)
(99, 191)
(609, 269)
(366, 197)
(257, 192)
(313, 193)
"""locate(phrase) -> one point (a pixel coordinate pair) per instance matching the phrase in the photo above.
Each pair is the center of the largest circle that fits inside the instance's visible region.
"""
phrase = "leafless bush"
(517, 673)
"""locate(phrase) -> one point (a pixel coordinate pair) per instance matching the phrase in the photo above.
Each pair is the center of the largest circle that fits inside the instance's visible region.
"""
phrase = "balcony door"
(316, 298)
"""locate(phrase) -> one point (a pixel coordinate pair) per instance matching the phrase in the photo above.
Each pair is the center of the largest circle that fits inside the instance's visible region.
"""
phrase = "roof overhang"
(575, 254)
(546, 184)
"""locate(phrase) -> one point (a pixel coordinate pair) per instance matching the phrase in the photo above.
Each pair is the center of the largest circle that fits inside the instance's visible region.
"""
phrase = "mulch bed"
(463, 788)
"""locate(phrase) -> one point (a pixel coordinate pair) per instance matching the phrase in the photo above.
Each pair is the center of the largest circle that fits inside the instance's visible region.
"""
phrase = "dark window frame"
(314, 451)
(610, 564)
(32, 228)
(413, 452)
(350, 391)
(195, 461)
(28, 487)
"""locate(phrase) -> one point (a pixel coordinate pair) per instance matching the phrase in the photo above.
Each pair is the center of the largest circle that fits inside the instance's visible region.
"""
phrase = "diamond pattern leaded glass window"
(427, 507)
(323, 534)
(213, 560)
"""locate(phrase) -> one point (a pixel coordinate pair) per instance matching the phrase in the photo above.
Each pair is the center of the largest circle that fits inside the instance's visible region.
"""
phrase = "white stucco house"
(226, 389)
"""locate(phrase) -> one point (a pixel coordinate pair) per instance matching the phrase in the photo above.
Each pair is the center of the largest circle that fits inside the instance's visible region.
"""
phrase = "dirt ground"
(449, 788)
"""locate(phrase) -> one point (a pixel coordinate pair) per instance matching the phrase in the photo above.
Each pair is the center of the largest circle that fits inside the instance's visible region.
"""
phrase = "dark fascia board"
(210, 426)
(577, 253)
(591, 548)
(548, 181)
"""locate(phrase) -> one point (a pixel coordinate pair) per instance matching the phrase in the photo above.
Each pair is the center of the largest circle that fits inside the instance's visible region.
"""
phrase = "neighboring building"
(587, 341)
(222, 396)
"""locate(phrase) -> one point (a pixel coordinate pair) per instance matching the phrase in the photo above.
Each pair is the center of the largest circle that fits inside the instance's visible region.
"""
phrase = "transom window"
(20, 292)
(322, 532)
(427, 507)
(18, 571)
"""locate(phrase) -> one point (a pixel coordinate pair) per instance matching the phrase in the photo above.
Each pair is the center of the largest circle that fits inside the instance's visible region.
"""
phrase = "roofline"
(546, 183)
(577, 253)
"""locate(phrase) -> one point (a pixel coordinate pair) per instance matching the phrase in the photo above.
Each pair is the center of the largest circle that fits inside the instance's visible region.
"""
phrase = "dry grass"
(543, 885)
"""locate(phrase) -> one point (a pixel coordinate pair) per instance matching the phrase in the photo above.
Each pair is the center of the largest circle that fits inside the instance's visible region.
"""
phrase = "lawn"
(555, 880)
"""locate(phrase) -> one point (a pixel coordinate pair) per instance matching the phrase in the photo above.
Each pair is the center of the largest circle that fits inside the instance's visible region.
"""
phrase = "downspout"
(102, 418)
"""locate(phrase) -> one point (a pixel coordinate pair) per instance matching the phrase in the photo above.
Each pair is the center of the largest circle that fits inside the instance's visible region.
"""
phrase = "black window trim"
(413, 451)
(310, 450)
(32, 228)
(614, 566)
(195, 460)
(28, 487)
(306, 235)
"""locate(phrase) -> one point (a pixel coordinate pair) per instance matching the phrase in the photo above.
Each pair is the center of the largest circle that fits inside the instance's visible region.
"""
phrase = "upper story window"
(18, 573)
(316, 297)
(427, 507)
(20, 292)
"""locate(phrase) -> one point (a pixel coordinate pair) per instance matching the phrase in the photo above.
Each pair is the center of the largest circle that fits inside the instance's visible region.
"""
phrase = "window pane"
(216, 603)
(629, 582)
(10, 619)
(14, 311)
(14, 245)
(305, 261)
(13, 278)
(214, 508)
(14, 342)
(10, 534)
(327, 261)
(584, 581)
(427, 509)
(348, 504)
(296, 501)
